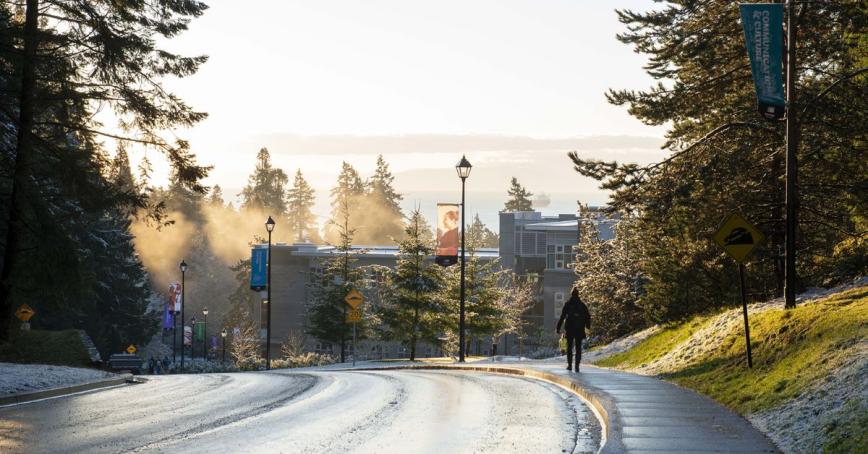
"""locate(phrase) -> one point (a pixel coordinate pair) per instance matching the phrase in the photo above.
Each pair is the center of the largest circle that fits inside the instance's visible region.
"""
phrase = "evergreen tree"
(346, 197)
(725, 158)
(327, 309)
(54, 77)
(481, 235)
(215, 198)
(266, 187)
(300, 201)
(412, 307)
(519, 198)
(381, 189)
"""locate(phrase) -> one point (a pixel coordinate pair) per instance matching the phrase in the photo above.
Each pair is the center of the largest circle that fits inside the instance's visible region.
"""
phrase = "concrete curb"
(20, 398)
(601, 403)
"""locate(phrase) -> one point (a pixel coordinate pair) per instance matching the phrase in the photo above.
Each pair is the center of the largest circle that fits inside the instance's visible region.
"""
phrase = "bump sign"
(24, 313)
(737, 237)
(354, 299)
(131, 349)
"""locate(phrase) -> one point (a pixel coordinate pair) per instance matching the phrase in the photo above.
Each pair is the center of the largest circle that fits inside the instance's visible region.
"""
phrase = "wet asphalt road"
(310, 412)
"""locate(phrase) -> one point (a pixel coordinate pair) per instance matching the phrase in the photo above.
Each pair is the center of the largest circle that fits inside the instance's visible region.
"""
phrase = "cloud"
(292, 144)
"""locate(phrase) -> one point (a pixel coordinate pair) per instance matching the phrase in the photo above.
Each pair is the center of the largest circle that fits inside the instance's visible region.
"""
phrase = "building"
(292, 267)
(542, 249)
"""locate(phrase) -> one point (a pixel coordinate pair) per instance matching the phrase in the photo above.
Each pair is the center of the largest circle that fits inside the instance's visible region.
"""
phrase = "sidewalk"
(641, 414)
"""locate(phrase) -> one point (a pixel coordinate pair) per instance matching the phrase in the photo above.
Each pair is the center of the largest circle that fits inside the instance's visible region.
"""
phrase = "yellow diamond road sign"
(354, 299)
(24, 313)
(131, 349)
(354, 315)
(738, 237)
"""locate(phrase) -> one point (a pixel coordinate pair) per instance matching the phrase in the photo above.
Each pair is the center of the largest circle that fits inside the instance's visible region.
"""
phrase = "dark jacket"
(577, 318)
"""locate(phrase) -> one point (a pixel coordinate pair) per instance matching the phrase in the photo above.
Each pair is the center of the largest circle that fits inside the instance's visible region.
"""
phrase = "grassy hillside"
(46, 347)
(792, 350)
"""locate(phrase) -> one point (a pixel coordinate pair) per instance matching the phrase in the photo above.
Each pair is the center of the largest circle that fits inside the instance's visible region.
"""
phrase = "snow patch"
(19, 378)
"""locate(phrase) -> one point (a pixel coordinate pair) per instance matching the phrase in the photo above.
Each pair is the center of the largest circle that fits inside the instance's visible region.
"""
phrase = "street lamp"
(463, 168)
(205, 335)
(223, 335)
(269, 225)
(183, 267)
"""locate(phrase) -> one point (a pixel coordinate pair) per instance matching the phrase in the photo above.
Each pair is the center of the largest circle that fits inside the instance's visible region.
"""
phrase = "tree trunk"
(15, 226)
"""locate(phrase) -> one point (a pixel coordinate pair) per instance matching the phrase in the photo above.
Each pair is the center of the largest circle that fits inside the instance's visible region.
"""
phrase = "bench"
(125, 361)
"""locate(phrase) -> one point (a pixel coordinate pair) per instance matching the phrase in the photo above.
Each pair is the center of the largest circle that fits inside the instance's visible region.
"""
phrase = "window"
(559, 297)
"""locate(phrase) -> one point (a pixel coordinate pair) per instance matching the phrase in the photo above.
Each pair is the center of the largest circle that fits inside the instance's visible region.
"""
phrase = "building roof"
(313, 250)
(566, 226)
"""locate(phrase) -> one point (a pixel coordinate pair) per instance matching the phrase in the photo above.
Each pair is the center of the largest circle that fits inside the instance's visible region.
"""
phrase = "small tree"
(519, 295)
(293, 345)
(410, 310)
(519, 198)
(245, 346)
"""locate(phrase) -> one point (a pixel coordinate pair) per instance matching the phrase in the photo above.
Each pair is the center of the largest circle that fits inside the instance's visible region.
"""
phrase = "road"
(309, 412)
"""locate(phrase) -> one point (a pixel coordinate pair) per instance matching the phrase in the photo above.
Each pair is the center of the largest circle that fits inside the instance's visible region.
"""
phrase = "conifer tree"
(300, 201)
(266, 187)
(725, 158)
(482, 235)
(519, 198)
(413, 305)
(62, 60)
(215, 198)
(382, 190)
(327, 309)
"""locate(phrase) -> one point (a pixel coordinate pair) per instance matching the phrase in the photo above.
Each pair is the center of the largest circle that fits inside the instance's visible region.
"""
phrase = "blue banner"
(168, 317)
(258, 268)
(764, 34)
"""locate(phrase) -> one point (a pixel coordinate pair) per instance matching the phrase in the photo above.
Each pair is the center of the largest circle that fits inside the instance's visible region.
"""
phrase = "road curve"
(309, 412)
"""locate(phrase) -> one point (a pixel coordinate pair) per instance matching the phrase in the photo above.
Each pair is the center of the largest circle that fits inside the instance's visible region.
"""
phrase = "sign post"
(738, 238)
(354, 299)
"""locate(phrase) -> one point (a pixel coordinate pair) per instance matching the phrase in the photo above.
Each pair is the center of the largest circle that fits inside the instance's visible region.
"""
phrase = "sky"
(512, 84)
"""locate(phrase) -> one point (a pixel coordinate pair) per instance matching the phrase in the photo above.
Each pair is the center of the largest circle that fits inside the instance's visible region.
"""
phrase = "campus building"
(540, 248)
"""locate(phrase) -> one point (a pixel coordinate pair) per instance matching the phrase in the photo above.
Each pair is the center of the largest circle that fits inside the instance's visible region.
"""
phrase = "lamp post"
(463, 169)
(223, 335)
(183, 267)
(269, 225)
(205, 335)
(174, 335)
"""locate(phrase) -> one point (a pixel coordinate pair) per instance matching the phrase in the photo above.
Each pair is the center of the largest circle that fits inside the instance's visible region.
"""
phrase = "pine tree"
(519, 198)
(56, 75)
(346, 196)
(724, 158)
(327, 309)
(266, 187)
(412, 307)
(381, 189)
(480, 235)
(215, 198)
(300, 201)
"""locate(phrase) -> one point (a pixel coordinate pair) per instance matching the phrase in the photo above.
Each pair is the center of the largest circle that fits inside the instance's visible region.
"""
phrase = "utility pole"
(792, 203)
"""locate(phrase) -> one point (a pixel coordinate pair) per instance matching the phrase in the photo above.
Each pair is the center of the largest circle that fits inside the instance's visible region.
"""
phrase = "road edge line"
(20, 398)
(602, 405)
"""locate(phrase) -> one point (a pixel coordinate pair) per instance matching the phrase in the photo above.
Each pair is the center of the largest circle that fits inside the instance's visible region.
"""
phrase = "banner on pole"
(213, 343)
(448, 223)
(175, 297)
(200, 331)
(258, 268)
(764, 35)
(168, 317)
(188, 335)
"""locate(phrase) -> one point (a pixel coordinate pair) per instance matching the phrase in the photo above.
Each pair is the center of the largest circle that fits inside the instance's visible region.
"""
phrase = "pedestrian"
(152, 365)
(166, 363)
(575, 317)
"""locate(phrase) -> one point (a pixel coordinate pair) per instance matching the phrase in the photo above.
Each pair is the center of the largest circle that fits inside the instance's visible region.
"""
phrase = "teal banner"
(764, 34)
(258, 268)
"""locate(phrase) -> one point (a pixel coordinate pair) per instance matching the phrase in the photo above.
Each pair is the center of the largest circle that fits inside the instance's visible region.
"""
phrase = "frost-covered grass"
(17, 378)
(46, 347)
(799, 356)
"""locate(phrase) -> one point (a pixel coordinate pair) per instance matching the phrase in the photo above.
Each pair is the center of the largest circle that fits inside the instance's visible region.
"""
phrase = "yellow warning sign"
(131, 349)
(354, 315)
(24, 313)
(738, 237)
(354, 298)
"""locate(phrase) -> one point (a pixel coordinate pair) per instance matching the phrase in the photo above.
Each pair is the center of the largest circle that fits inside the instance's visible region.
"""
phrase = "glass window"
(550, 249)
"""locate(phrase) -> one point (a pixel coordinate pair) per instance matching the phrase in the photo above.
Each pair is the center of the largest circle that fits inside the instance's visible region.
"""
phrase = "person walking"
(575, 317)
